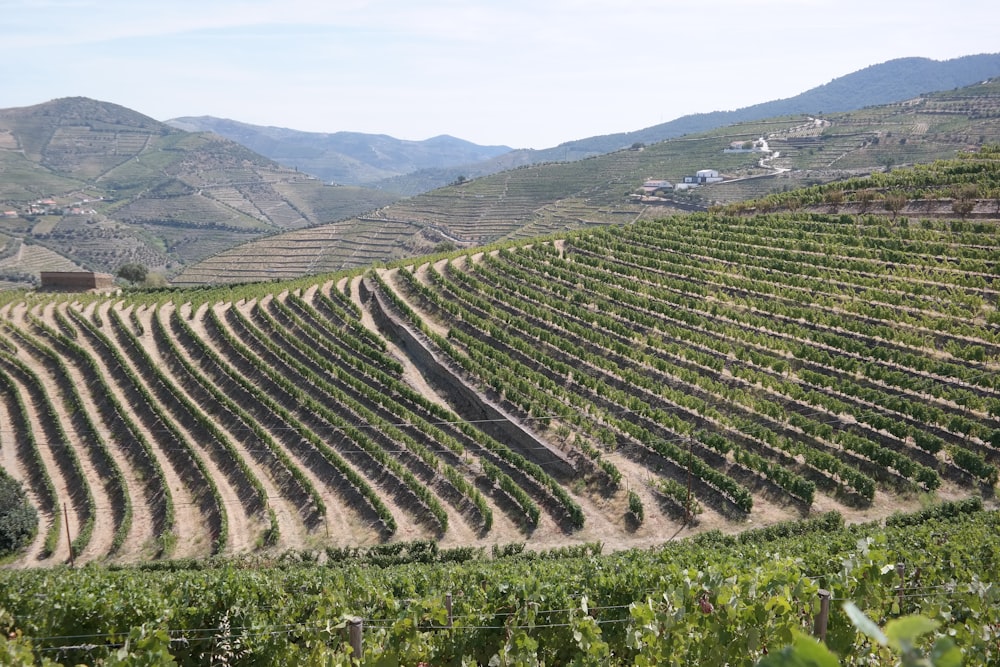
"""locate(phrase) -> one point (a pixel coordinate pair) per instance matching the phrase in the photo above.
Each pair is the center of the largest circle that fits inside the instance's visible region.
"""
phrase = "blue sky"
(528, 74)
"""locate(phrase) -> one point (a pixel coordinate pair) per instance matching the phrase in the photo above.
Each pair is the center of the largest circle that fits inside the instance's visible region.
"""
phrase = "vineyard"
(620, 384)
(542, 400)
(145, 192)
(709, 601)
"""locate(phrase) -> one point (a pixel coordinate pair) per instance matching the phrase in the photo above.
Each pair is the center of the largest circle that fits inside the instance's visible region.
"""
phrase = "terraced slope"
(621, 384)
(102, 185)
(556, 197)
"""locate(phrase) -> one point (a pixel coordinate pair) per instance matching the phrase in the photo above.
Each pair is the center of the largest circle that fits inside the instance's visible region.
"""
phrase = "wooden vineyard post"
(69, 540)
(901, 571)
(447, 606)
(355, 634)
(687, 508)
(819, 627)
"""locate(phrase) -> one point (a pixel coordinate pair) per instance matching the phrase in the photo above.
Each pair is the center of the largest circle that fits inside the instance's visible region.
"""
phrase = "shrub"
(18, 518)
(635, 506)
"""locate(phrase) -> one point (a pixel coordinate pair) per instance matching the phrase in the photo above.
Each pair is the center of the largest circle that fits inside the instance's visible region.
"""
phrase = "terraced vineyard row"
(328, 248)
(731, 348)
(163, 430)
(618, 384)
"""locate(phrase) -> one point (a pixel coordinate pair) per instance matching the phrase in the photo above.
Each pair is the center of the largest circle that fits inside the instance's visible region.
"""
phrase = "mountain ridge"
(103, 185)
(539, 200)
(128, 188)
(350, 158)
(882, 83)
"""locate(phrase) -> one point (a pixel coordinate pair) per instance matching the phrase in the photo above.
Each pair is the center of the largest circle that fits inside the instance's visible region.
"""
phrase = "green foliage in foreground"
(709, 601)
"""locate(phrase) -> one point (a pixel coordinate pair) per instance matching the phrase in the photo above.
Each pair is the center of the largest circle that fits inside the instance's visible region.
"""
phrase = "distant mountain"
(892, 81)
(351, 158)
(554, 197)
(101, 185)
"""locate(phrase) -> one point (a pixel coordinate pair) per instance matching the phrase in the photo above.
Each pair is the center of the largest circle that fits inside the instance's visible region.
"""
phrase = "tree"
(965, 200)
(894, 202)
(18, 518)
(865, 199)
(834, 198)
(132, 272)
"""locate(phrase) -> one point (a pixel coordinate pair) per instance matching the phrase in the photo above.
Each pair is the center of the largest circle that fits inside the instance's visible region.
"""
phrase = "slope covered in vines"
(622, 384)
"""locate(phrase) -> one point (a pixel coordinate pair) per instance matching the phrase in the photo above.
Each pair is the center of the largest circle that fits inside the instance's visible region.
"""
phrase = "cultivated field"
(625, 385)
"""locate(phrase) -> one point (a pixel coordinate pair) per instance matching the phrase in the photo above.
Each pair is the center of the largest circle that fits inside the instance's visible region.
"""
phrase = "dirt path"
(407, 527)
(411, 374)
(390, 277)
(459, 533)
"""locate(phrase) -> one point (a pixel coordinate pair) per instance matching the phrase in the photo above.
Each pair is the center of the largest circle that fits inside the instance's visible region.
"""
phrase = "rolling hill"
(621, 384)
(94, 185)
(884, 83)
(410, 168)
(350, 158)
(102, 185)
(554, 197)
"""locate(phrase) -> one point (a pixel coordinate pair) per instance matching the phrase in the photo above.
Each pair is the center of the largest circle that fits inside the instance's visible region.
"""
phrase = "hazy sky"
(528, 74)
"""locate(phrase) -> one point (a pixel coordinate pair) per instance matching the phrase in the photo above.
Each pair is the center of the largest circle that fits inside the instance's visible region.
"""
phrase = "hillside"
(413, 167)
(101, 185)
(97, 185)
(620, 384)
(348, 158)
(884, 83)
(555, 197)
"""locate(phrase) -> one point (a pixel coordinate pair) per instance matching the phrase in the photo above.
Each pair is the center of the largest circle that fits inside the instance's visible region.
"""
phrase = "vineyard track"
(503, 530)
(514, 459)
(411, 374)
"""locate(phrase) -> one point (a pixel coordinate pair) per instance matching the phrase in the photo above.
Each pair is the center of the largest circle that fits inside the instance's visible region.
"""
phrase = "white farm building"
(703, 176)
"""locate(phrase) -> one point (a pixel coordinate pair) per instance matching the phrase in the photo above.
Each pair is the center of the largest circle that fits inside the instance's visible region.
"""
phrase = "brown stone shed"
(76, 281)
